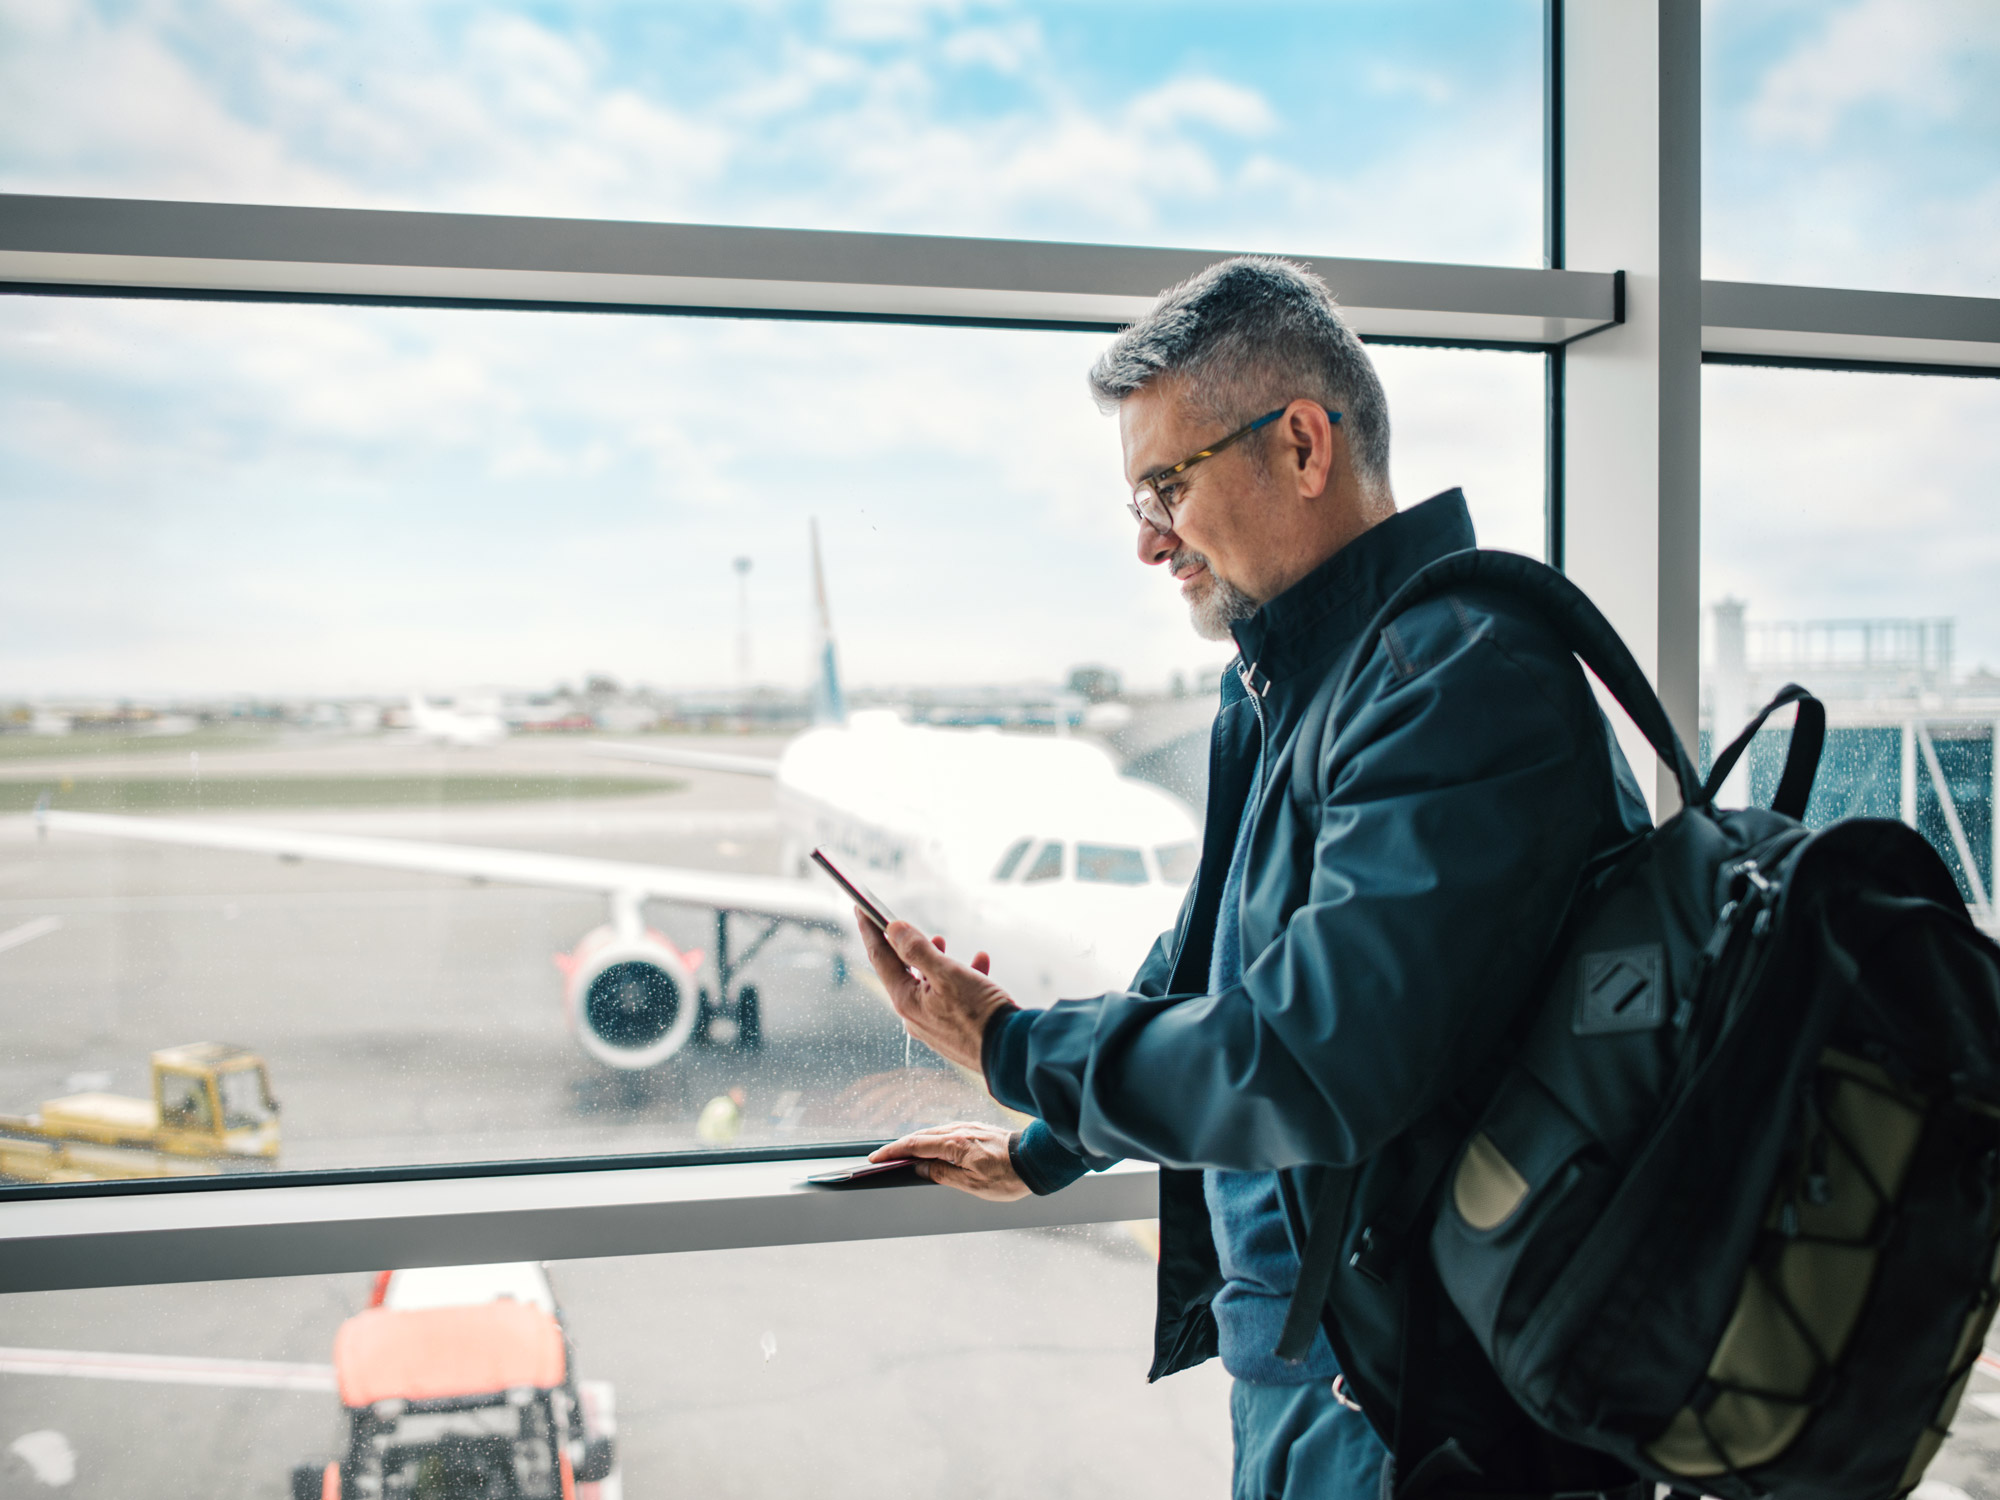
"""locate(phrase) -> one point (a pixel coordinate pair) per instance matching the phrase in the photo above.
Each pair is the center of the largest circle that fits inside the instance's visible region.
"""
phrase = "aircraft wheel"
(749, 1019)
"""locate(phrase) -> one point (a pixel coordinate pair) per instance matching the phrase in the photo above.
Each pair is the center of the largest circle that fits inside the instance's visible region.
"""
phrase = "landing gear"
(734, 1018)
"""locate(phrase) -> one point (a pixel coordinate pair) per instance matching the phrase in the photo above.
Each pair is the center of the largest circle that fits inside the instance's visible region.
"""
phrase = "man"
(1349, 959)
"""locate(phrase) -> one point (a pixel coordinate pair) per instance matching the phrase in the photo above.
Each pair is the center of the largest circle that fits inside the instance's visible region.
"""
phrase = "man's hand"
(943, 1003)
(971, 1158)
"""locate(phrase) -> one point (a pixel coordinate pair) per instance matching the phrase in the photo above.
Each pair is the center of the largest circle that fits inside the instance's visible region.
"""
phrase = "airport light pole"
(742, 566)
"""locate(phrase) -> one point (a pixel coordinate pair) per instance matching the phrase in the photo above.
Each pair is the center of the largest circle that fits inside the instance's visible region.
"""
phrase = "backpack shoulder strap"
(1559, 604)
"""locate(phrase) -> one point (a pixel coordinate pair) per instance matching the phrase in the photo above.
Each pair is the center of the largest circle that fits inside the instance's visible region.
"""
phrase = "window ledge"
(138, 1239)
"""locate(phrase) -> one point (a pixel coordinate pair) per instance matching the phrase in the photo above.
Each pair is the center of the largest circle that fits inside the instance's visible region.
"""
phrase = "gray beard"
(1221, 607)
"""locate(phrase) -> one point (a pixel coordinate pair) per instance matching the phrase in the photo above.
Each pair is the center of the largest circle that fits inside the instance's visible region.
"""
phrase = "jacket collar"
(1320, 615)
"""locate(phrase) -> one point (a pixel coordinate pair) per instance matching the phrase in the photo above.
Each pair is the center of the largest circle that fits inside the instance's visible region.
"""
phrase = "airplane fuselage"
(930, 817)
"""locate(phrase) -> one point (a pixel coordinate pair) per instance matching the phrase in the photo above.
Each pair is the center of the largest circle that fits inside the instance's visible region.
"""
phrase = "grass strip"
(182, 794)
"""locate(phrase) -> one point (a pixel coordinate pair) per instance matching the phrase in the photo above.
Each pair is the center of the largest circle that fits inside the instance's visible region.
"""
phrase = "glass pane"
(1852, 144)
(1848, 543)
(808, 1370)
(432, 634)
(1397, 128)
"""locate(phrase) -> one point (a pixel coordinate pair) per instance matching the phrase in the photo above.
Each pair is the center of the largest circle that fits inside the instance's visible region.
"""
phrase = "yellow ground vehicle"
(211, 1112)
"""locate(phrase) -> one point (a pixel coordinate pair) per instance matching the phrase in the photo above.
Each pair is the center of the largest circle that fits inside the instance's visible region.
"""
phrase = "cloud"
(1918, 59)
(228, 498)
(1390, 81)
(928, 117)
(1852, 146)
(353, 499)
(1197, 100)
(1831, 495)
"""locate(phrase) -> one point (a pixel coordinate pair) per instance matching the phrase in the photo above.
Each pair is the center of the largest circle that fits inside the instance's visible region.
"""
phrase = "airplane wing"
(758, 895)
(691, 760)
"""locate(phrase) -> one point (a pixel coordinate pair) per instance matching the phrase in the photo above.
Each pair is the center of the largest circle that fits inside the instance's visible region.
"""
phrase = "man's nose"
(1155, 547)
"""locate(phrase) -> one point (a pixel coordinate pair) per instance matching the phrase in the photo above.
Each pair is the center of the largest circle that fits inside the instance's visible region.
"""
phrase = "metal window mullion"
(129, 247)
(1554, 458)
(1632, 394)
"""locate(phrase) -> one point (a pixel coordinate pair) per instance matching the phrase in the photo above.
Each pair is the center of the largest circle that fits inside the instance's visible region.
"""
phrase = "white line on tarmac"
(27, 932)
(168, 1369)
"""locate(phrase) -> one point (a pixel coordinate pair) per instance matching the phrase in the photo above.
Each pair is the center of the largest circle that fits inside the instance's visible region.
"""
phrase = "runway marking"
(27, 932)
(168, 1369)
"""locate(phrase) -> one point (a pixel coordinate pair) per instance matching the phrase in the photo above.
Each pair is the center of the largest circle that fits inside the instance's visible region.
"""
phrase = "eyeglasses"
(1154, 497)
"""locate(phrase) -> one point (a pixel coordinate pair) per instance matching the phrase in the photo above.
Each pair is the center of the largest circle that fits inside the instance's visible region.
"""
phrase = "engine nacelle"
(632, 1002)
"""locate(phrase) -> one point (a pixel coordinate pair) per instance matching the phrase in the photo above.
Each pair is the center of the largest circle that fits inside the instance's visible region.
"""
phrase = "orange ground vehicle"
(471, 1400)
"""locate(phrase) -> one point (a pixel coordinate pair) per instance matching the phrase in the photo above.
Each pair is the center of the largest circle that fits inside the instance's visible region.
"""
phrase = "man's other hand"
(971, 1158)
(943, 1003)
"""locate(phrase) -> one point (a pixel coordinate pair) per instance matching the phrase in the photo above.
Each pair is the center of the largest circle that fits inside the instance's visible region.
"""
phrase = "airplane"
(1034, 848)
(455, 726)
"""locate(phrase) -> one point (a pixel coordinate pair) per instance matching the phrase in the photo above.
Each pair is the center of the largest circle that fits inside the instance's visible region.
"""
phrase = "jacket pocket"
(1523, 1192)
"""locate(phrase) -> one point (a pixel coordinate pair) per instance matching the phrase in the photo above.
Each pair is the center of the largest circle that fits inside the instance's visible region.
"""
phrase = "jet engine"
(632, 1001)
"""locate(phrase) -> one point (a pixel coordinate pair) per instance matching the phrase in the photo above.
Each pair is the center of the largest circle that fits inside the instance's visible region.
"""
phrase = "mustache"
(1182, 555)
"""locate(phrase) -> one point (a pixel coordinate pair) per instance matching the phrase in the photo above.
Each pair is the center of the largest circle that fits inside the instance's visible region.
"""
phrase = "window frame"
(1622, 341)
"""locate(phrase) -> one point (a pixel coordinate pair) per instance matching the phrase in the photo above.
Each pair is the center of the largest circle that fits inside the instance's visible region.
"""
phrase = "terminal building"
(392, 403)
(1907, 737)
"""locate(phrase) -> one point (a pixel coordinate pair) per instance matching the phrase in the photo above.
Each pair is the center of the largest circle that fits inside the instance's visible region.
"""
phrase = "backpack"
(1730, 1210)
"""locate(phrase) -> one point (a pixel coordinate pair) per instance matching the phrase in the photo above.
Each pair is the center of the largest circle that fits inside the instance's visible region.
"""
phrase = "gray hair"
(1247, 334)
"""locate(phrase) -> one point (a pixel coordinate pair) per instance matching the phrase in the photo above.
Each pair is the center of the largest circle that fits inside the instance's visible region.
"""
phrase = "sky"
(208, 499)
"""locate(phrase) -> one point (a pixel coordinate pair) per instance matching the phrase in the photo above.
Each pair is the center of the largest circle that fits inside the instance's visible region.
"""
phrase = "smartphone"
(870, 904)
(866, 1169)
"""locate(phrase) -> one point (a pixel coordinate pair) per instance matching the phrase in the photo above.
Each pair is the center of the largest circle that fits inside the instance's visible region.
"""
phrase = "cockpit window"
(1047, 865)
(1110, 864)
(1178, 861)
(1011, 859)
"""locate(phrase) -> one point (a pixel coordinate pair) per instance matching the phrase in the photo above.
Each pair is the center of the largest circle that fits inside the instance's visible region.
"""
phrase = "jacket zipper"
(1250, 677)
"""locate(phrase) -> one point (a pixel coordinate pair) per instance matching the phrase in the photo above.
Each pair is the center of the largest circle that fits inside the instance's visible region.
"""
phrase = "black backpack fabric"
(1731, 1212)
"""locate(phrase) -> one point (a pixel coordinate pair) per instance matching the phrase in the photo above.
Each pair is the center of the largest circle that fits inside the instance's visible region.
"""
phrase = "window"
(1048, 864)
(1011, 859)
(245, 1101)
(1845, 526)
(1178, 862)
(395, 575)
(184, 1103)
(747, 1372)
(1851, 144)
(1115, 124)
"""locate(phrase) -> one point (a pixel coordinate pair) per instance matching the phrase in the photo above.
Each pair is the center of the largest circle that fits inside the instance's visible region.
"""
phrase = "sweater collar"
(1320, 615)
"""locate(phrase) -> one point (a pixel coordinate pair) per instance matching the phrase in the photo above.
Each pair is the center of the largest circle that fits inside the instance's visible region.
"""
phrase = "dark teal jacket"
(1394, 921)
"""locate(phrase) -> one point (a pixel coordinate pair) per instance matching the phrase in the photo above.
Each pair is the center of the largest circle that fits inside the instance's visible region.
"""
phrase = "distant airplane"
(453, 726)
(1034, 848)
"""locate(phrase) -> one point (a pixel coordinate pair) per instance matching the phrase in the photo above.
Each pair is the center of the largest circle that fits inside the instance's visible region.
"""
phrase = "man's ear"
(1319, 447)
